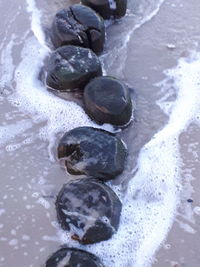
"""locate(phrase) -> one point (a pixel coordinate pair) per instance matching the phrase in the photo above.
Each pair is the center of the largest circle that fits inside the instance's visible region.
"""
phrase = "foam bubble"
(2, 211)
(13, 242)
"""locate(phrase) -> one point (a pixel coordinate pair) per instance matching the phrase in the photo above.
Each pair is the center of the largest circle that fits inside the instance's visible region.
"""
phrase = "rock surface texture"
(92, 152)
(107, 100)
(72, 67)
(78, 25)
(108, 8)
(72, 257)
(89, 210)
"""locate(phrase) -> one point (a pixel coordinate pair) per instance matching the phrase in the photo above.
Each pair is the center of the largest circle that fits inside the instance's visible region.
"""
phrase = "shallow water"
(150, 39)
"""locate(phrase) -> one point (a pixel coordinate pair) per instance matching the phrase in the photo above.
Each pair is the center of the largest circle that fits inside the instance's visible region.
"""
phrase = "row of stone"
(86, 207)
(73, 65)
(106, 99)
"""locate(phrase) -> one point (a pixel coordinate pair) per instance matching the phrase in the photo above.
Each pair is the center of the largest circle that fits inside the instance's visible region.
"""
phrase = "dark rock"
(72, 67)
(89, 210)
(108, 8)
(107, 100)
(92, 152)
(121, 6)
(100, 6)
(72, 257)
(78, 25)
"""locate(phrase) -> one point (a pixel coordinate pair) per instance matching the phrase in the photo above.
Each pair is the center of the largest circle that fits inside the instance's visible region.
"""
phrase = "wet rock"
(121, 7)
(72, 67)
(107, 100)
(72, 257)
(78, 25)
(92, 152)
(89, 210)
(108, 8)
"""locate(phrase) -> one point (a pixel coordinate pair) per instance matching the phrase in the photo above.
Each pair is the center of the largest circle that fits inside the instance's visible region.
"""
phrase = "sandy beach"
(160, 183)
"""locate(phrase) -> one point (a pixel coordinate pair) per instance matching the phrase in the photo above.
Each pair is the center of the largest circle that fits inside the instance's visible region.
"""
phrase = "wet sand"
(28, 223)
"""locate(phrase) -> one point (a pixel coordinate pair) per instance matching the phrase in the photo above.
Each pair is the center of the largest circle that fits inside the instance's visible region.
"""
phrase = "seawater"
(152, 194)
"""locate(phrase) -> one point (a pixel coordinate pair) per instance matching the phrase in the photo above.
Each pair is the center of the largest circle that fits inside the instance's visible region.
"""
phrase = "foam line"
(36, 21)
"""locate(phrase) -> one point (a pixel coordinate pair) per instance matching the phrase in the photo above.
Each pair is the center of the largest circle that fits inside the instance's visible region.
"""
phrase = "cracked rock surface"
(92, 152)
(78, 25)
(72, 67)
(68, 257)
(89, 210)
(108, 8)
(107, 100)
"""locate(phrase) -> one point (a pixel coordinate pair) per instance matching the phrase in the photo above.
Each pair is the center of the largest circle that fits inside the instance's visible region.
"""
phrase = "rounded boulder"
(72, 67)
(78, 25)
(92, 152)
(89, 210)
(107, 100)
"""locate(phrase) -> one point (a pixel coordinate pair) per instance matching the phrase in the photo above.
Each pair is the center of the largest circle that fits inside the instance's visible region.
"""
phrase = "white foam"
(44, 203)
(36, 21)
(8, 132)
(6, 73)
